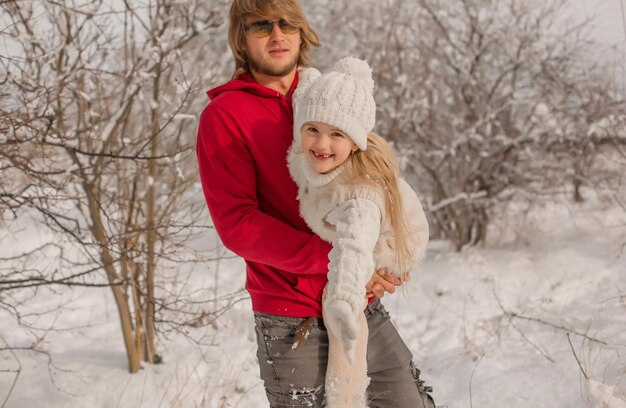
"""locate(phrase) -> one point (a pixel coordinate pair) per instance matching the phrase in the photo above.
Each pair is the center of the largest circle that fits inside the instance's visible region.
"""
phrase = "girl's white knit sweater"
(353, 218)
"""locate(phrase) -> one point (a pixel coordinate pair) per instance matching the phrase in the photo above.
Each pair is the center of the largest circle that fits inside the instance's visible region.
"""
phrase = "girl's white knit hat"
(342, 98)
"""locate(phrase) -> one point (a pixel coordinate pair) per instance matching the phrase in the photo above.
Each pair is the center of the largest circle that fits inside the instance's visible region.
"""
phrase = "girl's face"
(325, 146)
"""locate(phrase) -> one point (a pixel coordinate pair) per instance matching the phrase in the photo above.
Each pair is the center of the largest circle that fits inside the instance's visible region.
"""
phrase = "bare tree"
(100, 148)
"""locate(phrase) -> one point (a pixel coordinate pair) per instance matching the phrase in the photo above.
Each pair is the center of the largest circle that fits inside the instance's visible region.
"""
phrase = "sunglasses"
(263, 28)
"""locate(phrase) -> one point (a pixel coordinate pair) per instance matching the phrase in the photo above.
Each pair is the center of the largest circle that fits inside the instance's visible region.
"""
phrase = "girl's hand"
(382, 282)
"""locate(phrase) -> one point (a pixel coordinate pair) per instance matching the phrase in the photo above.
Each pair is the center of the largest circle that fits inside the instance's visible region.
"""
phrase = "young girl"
(350, 195)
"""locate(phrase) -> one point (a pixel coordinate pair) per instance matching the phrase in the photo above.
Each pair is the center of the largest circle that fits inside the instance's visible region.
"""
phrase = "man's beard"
(274, 72)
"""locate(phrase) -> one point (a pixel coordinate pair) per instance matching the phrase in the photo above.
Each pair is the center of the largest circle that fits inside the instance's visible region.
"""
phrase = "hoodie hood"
(247, 83)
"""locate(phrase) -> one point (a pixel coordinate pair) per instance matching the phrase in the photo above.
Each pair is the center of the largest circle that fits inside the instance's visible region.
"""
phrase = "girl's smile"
(326, 147)
(320, 156)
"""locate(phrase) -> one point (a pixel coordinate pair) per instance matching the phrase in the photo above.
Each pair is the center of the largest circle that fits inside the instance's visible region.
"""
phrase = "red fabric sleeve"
(227, 173)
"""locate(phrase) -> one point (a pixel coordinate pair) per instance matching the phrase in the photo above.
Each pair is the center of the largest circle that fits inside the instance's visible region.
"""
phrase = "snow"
(513, 324)
(183, 116)
(602, 395)
(449, 201)
(534, 319)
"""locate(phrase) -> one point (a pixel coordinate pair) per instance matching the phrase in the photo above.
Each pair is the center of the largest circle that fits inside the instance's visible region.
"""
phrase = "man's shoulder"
(229, 104)
(230, 97)
(242, 89)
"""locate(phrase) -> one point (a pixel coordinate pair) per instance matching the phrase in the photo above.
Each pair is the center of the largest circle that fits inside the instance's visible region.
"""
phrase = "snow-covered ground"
(517, 324)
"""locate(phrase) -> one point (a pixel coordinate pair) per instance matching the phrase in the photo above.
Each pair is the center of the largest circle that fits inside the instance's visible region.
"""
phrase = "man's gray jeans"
(294, 376)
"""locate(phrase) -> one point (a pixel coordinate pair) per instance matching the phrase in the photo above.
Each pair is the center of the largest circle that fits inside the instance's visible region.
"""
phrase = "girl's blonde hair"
(378, 166)
(290, 10)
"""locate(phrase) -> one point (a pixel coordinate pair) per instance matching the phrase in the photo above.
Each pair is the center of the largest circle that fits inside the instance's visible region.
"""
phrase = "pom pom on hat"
(357, 68)
(342, 97)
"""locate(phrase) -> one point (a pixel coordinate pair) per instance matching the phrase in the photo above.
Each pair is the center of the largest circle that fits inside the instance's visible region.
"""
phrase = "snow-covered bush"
(481, 97)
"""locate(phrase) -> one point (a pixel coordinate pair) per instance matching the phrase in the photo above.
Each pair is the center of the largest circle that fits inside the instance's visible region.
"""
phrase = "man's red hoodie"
(243, 137)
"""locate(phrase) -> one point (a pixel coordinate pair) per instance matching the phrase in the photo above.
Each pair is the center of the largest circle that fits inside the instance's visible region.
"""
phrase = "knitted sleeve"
(357, 222)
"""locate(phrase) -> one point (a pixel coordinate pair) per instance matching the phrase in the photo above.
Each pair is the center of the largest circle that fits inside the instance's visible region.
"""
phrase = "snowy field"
(537, 319)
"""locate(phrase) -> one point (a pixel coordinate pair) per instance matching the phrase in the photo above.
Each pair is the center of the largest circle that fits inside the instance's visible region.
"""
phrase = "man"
(243, 137)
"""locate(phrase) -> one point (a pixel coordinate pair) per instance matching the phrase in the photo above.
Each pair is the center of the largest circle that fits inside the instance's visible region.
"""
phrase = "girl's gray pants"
(293, 372)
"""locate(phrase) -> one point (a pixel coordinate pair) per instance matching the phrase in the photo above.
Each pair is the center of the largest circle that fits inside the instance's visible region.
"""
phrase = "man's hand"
(382, 282)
